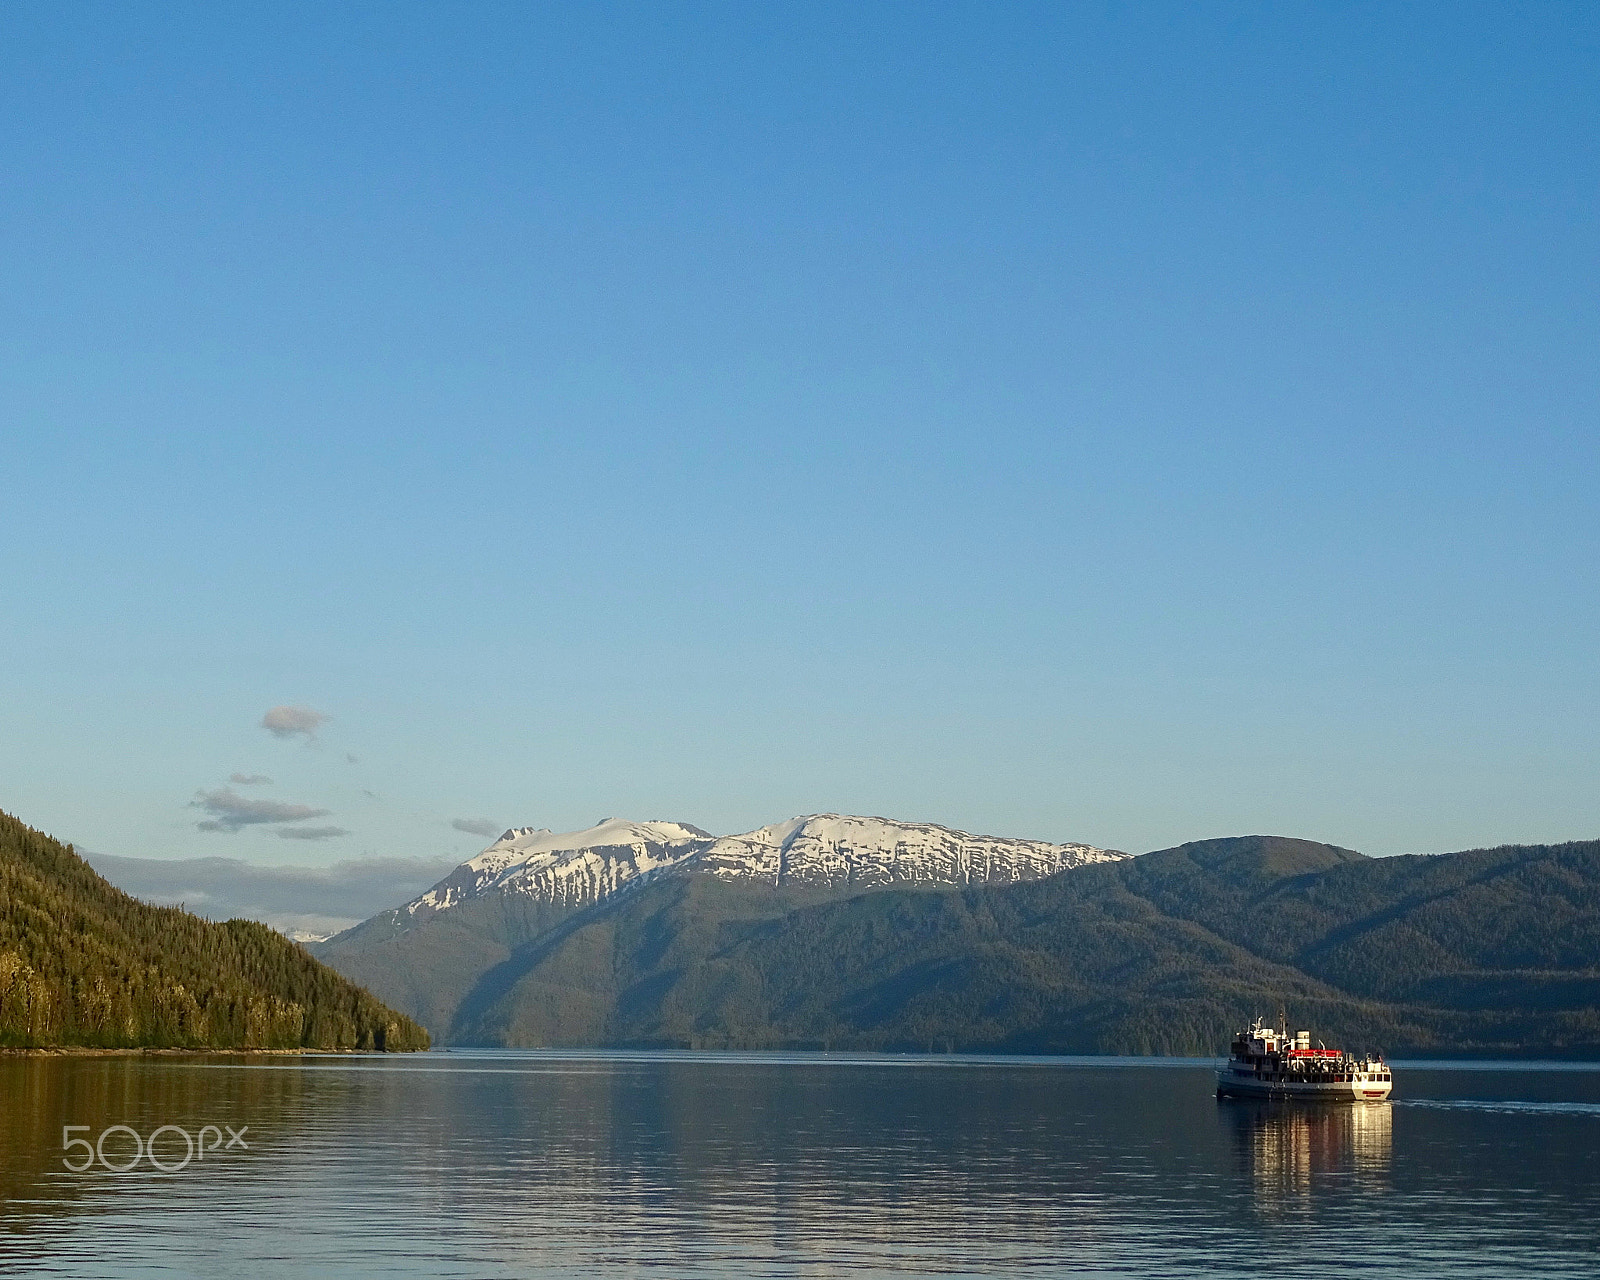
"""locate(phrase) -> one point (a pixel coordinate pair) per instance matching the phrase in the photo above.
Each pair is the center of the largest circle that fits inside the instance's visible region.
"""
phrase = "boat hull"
(1234, 1084)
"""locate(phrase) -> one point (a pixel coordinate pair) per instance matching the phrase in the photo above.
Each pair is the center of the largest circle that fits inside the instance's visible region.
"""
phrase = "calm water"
(530, 1164)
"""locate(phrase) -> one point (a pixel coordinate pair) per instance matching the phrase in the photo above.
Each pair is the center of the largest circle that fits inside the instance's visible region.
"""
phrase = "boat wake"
(1504, 1107)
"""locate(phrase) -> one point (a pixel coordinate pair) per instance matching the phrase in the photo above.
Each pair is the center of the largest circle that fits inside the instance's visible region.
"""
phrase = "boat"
(1265, 1062)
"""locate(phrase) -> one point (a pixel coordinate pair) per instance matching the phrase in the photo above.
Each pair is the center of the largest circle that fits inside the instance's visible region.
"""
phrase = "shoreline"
(88, 1051)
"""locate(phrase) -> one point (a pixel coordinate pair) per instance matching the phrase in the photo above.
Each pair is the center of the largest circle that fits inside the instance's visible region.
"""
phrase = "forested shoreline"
(83, 965)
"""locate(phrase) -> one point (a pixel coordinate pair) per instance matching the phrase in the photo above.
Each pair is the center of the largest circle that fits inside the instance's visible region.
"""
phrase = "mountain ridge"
(1480, 951)
(430, 953)
(832, 850)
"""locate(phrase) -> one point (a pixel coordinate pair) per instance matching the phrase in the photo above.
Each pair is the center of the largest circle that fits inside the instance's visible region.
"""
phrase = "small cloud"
(232, 811)
(249, 779)
(289, 722)
(310, 833)
(476, 826)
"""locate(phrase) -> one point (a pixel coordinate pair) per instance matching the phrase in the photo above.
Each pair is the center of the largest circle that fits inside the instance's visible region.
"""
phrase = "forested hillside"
(1489, 951)
(431, 966)
(83, 964)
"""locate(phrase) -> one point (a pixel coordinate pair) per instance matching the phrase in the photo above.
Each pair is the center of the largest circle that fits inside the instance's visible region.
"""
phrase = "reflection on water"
(513, 1165)
(1285, 1146)
(43, 1094)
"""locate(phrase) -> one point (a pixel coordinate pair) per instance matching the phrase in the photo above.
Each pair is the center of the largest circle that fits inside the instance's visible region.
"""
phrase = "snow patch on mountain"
(571, 868)
(825, 850)
(835, 851)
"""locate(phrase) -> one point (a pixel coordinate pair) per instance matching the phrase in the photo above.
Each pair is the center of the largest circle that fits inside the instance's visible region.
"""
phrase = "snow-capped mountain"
(834, 851)
(823, 850)
(572, 868)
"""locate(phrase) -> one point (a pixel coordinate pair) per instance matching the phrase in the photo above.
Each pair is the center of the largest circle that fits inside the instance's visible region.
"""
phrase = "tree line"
(83, 964)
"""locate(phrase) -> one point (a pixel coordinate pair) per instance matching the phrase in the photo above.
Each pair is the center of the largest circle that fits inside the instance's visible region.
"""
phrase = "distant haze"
(300, 901)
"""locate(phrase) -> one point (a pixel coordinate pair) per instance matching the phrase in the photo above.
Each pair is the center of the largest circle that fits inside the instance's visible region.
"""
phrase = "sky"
(1114, 423)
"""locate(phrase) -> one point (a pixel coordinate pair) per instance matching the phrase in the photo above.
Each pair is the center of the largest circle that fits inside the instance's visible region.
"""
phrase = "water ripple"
(727, 1165)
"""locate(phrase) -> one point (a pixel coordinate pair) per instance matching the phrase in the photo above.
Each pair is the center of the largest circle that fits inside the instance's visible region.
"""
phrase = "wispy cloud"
(231, 811)
(290, 722)
(298, 900)
(311, 833)
(477, 826)
(249, 779)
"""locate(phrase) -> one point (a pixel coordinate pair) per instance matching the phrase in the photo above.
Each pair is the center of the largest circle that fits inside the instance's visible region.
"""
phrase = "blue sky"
(1120, 423)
